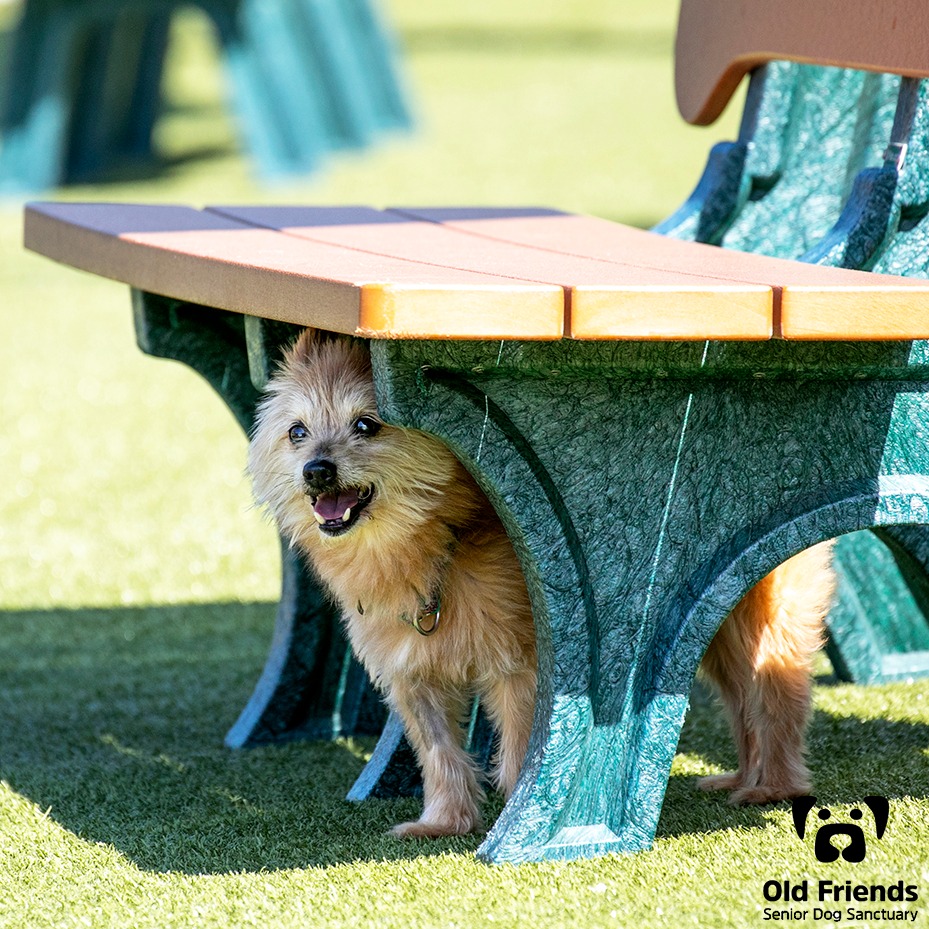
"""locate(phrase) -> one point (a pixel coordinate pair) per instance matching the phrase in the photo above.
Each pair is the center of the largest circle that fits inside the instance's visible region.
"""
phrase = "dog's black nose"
(319, 474)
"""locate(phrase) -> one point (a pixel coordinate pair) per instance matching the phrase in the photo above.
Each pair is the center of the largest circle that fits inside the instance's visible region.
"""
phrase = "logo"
(816, 897)
(856, 848)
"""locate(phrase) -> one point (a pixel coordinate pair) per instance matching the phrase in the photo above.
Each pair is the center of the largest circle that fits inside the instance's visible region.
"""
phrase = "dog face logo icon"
(855, 850)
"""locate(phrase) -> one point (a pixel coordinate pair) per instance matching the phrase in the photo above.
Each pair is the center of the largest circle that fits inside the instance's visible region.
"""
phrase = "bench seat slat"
(206, 258)
(472, 273)
(810, 301)
(636, 296)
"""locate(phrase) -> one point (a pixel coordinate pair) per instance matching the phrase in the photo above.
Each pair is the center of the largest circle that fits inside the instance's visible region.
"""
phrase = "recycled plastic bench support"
(830, 167)
(658, 422)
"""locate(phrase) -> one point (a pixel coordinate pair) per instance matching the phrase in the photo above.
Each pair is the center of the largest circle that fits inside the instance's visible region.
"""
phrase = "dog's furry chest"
(388, 645)
(476, 637)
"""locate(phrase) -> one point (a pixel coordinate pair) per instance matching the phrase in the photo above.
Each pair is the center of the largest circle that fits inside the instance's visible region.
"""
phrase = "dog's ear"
(801, 809)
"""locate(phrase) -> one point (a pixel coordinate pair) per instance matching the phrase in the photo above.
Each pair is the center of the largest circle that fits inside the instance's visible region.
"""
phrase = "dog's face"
(323, 460)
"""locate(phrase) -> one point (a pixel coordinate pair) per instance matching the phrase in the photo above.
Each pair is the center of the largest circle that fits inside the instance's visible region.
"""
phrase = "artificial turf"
(137, 584)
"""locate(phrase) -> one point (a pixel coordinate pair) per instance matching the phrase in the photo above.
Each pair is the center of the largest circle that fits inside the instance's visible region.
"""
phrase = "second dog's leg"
(432, 719)
(760, 660)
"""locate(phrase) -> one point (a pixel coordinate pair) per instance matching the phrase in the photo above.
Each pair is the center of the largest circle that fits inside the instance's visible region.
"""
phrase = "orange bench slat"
(210, 259)
(609, 297)
(810, 301)
(471, 273)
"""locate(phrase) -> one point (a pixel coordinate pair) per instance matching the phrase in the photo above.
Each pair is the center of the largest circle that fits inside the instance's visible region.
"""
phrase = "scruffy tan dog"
(434, 599)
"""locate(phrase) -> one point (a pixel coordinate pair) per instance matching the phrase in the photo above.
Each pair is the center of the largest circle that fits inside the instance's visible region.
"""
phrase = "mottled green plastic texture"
(841, 183)
(647, 487)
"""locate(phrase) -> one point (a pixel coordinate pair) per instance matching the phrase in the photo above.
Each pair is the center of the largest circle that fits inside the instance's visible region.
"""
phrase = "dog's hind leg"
(510, 703)
(432, 718)
(761, 661)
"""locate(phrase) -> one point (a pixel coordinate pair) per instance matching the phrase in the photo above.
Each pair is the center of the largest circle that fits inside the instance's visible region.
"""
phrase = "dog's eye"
(297, 433)
(367, 426)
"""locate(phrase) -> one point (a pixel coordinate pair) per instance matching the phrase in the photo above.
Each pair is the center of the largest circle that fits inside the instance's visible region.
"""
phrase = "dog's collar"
(426, 619)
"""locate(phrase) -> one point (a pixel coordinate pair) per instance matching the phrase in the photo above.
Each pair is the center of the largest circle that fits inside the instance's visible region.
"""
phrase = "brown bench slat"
(719, 42)
(615, 298)
(206, 258)
(487, 273)
(810, 301)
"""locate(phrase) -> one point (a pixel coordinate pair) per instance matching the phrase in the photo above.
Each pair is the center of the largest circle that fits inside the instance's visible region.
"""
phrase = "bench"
(82, 90)
(659, 422)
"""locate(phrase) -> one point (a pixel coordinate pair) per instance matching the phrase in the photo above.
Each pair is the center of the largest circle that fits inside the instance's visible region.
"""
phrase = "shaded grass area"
(137, 584)
(119, 800)
(127, 750)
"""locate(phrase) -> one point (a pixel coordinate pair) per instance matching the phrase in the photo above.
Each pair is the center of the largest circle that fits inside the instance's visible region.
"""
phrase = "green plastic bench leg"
(376, 50)
(392, 770)
(349, 105)
(34, 117)
(878, 626)
(274, 85)
(308, 76)
(82, 93)
(311, 686)
(680, 476)
(134, 128)
(359, 77)
(118, 93)
(83, 86)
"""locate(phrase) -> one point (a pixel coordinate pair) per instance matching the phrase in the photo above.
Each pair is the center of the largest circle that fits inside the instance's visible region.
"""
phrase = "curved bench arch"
(897, 500)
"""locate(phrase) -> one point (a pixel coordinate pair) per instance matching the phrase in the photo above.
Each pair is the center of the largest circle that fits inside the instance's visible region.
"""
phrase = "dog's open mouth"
(338, 510)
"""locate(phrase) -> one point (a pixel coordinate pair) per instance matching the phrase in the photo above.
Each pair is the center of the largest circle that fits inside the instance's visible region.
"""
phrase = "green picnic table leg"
(647, 487)
(82, 88)
(274, 86)
(36, 110)
(81, 91)
(308, 77)
(118, 92)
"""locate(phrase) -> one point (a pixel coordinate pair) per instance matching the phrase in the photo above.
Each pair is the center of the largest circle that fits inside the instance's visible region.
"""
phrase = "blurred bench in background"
(82, 89)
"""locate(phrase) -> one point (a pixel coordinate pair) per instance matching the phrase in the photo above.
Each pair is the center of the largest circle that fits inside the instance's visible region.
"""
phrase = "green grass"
(137, 583)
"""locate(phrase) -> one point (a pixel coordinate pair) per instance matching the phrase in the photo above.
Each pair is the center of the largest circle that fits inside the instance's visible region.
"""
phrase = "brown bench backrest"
(720, 41)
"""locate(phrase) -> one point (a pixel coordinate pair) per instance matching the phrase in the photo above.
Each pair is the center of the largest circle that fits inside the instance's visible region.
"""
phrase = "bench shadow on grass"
(113, 720)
